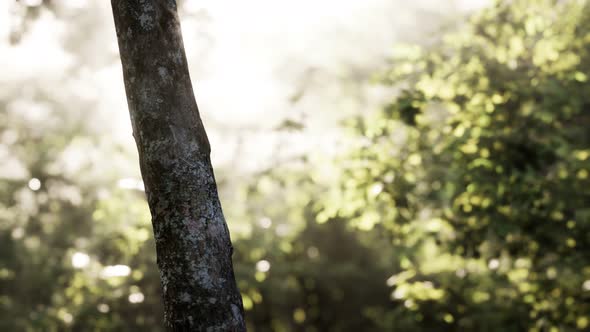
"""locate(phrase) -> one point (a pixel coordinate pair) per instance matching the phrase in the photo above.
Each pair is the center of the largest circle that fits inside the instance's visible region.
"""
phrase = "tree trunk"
(192, 239)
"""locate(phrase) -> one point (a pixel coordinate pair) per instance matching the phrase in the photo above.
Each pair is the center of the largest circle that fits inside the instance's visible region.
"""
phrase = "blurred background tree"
(478, 172)
(461, 204)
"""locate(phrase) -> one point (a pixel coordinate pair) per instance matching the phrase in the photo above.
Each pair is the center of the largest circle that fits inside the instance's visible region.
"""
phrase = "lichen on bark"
(192, 239)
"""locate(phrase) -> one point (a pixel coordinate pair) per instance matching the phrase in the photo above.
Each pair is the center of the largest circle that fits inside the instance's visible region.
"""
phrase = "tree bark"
(192, 239)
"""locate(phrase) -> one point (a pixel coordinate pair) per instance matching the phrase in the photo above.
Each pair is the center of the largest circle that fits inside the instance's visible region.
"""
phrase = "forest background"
(383, 166)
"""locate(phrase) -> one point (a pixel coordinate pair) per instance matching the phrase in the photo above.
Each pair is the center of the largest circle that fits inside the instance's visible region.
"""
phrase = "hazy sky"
(247, 60)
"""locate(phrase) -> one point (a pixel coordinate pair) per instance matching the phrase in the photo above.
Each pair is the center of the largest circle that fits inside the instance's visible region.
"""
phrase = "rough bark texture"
(192, 240)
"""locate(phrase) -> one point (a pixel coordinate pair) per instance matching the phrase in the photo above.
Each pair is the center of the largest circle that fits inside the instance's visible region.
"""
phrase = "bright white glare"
(265, 222)
(376, 189)
(80, 260)
(263, 265)
(494, 264)
(136, 297)
(129, 183)
(67, 317)
(33, 3)
(268, 40)
(18, 233)
(470, 5)
(586, 285)
(115, 271)
(20, 62)
(34, 184)
(192, 5)
(4, 18)
(76, 4)
(103, 307)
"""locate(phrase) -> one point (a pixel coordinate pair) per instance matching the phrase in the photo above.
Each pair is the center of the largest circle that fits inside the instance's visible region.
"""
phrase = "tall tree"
(192, 239)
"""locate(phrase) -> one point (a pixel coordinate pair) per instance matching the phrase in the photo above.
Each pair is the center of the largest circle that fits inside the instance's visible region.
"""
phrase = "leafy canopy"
(478, 170)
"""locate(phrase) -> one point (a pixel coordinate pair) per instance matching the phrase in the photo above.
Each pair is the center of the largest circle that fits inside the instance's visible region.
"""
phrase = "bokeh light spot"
(80, 260)
(34, 184)
(263, 265)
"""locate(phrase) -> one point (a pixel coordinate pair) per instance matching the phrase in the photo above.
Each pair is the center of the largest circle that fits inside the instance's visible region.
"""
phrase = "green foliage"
(461, 206)
(322, 277)
(62, 224)
(479, 171)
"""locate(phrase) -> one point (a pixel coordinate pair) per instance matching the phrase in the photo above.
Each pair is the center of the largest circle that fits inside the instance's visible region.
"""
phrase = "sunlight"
(34, 184)
(80, 260)
(136, 297)
(263, 265)
(399, 165)
(115, 271)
